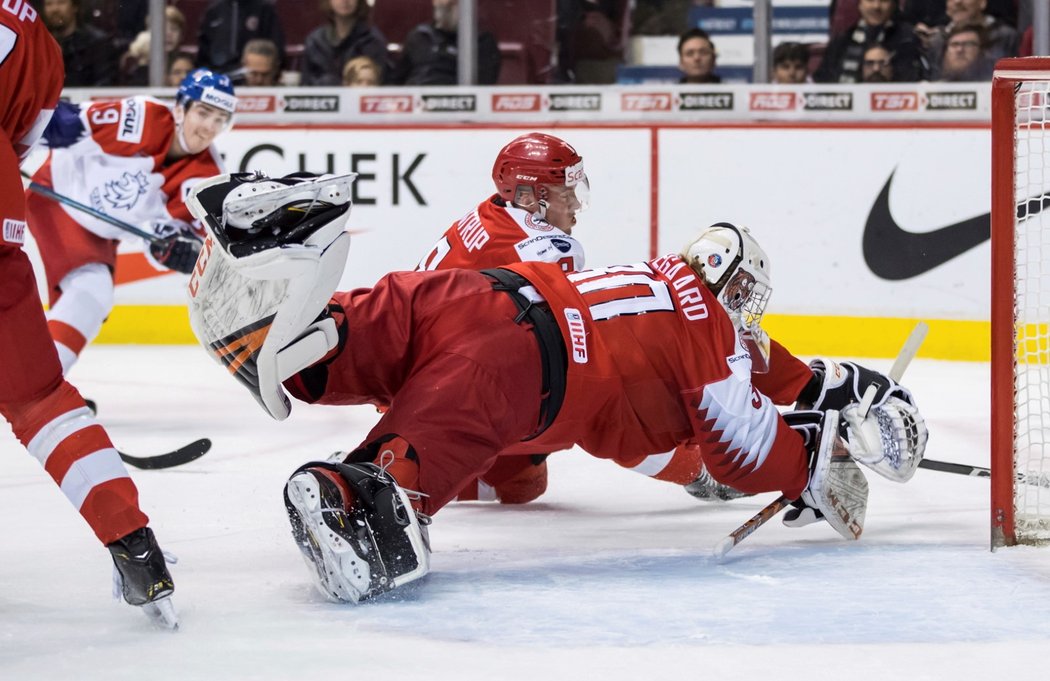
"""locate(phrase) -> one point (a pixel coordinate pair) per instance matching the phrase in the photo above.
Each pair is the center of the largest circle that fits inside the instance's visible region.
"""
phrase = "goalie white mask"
(737, 269)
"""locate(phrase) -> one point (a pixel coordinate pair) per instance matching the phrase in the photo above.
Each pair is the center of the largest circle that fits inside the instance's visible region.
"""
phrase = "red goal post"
(1020, 305)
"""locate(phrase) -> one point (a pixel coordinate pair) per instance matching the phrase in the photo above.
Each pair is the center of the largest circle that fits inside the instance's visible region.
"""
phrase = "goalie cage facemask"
(737, 270)
(274, 256)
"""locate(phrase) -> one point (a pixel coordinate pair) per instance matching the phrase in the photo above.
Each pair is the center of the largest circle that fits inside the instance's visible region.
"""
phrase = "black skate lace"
(384, 461)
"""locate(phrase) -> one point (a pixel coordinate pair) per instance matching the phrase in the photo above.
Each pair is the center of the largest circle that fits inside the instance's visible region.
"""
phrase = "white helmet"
(736, 268)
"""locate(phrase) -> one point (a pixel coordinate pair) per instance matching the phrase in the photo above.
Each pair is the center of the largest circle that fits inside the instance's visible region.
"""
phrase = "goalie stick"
(904, 358)
(190, 452)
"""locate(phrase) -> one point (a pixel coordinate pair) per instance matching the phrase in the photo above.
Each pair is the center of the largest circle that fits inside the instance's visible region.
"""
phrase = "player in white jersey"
(135, 160)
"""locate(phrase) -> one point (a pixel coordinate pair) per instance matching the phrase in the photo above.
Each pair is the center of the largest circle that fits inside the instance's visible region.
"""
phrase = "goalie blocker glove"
(836, 385)
(837, 490)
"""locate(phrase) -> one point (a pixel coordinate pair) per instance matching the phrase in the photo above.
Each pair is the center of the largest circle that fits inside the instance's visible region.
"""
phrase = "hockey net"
(1020, 403)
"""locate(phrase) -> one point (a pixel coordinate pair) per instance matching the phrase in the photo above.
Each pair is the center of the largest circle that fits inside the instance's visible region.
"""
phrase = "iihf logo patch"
(14, 231)
(714, 260)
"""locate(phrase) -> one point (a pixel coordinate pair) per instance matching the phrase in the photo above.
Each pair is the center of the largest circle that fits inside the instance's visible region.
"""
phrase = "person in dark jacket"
(349, 33)
(877, 25)
(88, 53)
(227, 25)
(430, 55)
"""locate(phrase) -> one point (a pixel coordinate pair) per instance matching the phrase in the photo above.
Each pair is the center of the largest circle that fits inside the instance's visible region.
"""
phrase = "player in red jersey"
(621, 361)
(136, 160)
(541, 187)
(47, 414)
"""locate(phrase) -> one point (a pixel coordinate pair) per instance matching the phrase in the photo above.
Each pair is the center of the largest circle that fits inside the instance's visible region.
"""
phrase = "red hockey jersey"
(652, 352)
(494, 235)
(31, 74)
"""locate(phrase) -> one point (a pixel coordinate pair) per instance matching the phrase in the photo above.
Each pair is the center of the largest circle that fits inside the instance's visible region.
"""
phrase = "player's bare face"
(201, 124)
(562, 207)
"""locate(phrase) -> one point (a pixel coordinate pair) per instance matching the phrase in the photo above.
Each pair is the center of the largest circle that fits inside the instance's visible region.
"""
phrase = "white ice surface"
(610, 576)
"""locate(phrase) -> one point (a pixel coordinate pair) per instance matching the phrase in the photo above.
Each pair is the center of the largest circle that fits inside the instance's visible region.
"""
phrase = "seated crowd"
(346, 42)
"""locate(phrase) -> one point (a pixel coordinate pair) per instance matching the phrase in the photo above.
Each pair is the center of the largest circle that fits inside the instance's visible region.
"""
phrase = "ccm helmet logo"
(527, 178)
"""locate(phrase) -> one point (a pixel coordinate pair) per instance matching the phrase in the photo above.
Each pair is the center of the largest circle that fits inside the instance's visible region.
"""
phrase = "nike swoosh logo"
(894, 254)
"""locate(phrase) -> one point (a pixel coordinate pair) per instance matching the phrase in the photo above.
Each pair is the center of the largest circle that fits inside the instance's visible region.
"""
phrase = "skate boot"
(356, 528)
(141, 576)
(706, 488)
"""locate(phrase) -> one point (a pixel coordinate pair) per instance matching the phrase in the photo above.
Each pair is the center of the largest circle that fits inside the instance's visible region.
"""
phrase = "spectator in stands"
(260, 64)
(790, 63)
(348, 33)
(877, 66)
(134, 65)
(999, 39)
(663, 17)
(228, 25)
(361, 72)
(179, 66)
(966, 55)
(88, 53)
(932, 12)
(598, 42)
(696, 57)
(842, 59)
(429, 55)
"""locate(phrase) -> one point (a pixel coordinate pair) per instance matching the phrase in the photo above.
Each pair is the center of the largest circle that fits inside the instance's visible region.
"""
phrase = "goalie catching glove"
(890, 440)
(275, 252)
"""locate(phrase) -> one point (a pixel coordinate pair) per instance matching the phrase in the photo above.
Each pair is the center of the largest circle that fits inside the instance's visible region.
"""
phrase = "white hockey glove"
(837, 491)
(275, 252)
(837, 385)
(890, 440)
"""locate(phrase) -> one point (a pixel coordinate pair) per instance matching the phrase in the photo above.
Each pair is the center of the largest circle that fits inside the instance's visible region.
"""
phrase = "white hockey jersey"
(118, 168)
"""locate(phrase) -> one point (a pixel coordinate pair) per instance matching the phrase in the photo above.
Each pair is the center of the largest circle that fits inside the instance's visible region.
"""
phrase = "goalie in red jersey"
(46, 413)
(541, 187)
(621, 361)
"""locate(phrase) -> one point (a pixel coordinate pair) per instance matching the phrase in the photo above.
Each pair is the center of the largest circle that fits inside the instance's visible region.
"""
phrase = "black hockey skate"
(144, 579)
(360, 547)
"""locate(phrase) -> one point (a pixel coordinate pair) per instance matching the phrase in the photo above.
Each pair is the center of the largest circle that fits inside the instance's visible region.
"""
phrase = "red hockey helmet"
(535, 159)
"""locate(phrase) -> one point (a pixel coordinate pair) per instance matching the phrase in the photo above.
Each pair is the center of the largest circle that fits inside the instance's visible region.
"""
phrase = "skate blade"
(161, 614)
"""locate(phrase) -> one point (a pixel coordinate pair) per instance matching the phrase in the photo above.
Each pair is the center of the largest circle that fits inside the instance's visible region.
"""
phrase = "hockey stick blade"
(904, 358)
(744, 531)
(190, 452)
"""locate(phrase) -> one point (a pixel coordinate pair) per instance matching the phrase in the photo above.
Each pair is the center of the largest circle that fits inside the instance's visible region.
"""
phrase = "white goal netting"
(1031, 448)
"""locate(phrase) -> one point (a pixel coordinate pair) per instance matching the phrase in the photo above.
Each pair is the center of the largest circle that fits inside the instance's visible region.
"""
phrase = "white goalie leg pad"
(837, 487)
(257, 313)
(890, 440)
